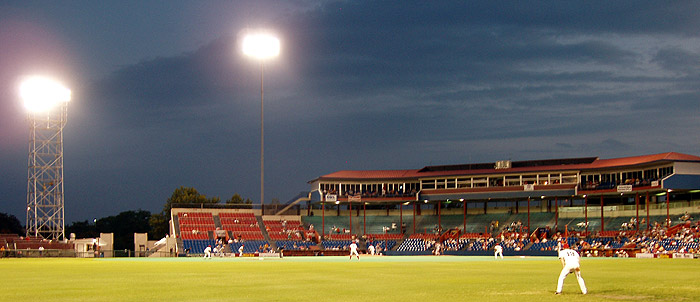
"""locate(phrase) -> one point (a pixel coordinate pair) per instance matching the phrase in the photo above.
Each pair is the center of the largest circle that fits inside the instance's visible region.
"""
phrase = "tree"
(181, 195)
(82, 229)
(123, 225)
(159, 226)
(9, 224)
(187, 195)
(237, 199)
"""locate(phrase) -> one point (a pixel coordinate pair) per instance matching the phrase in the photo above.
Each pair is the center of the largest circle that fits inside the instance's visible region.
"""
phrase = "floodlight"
(41, 94)
(47, 103)
(261, 46)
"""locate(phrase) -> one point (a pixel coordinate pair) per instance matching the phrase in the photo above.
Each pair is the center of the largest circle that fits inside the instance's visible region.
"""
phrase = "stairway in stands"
(263, 229)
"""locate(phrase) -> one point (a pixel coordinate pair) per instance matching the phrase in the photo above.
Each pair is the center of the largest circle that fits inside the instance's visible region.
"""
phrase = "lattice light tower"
(47, 104)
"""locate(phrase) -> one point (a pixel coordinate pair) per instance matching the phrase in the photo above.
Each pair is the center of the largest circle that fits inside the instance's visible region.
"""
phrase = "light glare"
(41, 94)
(261, 46)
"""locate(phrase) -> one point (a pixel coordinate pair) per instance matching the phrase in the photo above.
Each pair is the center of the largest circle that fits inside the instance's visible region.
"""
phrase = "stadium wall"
(474, 253)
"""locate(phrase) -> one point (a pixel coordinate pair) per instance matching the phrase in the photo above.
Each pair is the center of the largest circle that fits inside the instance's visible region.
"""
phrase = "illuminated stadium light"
(261, 46)
(46, 101)
(41, 94)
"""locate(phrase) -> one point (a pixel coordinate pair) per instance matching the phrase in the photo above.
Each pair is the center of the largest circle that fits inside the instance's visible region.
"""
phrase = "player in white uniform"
(497, 250)
(207, 252)
(371, 249)
(240, 251)
(570, 262)
(353, 250)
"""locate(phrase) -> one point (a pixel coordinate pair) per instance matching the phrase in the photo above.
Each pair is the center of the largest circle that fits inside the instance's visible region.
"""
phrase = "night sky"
(163, 97)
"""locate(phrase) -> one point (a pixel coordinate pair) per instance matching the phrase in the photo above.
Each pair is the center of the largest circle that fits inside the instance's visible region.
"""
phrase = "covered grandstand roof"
(643, 159)
(584, 163)
(371, 174)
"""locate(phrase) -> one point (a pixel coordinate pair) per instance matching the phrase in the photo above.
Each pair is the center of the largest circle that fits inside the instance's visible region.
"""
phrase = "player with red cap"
(570, 260)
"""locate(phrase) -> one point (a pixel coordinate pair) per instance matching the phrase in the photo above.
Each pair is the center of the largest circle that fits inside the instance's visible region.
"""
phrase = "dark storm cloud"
(678, 60)
(377, 85)
(449, 66)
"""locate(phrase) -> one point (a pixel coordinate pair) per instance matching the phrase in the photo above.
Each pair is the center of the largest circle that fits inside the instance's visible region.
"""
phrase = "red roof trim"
(597, 164)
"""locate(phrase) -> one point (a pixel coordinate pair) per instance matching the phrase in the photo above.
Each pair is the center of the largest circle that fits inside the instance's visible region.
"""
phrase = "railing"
(630, 210)
(55, 253)
(35, 253)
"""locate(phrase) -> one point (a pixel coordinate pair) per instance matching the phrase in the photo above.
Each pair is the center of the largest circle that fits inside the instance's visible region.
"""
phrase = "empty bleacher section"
(197, 246)
(195, 225)
(418, 242)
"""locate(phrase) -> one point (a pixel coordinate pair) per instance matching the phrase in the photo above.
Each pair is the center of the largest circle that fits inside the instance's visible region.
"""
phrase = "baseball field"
(408, 278)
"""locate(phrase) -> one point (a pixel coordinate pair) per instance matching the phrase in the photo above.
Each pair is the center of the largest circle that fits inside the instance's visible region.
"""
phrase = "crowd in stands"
(661, 238)
(373, 194)
(293, 235)
(597, 185)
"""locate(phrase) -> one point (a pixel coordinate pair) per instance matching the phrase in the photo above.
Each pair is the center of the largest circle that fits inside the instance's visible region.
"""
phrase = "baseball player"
(570, 262)
(353, 250)
(497, 250)
(207, 252)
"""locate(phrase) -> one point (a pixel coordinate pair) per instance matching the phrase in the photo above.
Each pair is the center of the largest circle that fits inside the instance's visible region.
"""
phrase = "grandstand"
(13, 245)
(296, 235)
(637, 203)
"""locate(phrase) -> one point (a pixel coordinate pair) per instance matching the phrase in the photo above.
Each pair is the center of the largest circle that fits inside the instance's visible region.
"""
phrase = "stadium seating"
(295, 245)
(477, 245)
(242, 225)
(249, 246)
(337, 244)
(14, 241)
(196, 232)
(196, 246)
(413, 245)
(285, 230)
(195, 223)
(383, 244)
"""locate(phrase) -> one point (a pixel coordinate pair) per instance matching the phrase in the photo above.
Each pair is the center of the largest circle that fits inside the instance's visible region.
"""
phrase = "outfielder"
(497, 251)
(570, 262)
(353, 250)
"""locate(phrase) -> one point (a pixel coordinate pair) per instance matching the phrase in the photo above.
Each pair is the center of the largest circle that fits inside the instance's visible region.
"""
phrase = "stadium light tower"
(46, 102)
(262, 47)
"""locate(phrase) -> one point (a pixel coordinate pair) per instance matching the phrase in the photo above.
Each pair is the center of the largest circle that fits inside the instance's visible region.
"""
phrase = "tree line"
(125, 224)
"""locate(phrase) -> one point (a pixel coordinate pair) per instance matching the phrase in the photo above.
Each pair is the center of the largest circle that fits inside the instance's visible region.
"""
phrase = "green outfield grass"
(409, 279)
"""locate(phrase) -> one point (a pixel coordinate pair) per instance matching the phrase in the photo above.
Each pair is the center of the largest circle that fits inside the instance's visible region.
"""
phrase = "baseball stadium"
(424, 233)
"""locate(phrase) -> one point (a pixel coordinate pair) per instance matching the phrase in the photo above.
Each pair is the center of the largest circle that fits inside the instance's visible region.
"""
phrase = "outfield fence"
(57, 253)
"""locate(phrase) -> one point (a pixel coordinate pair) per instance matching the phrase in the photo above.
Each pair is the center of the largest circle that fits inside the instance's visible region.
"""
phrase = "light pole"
(261, 46)
(45, 199)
